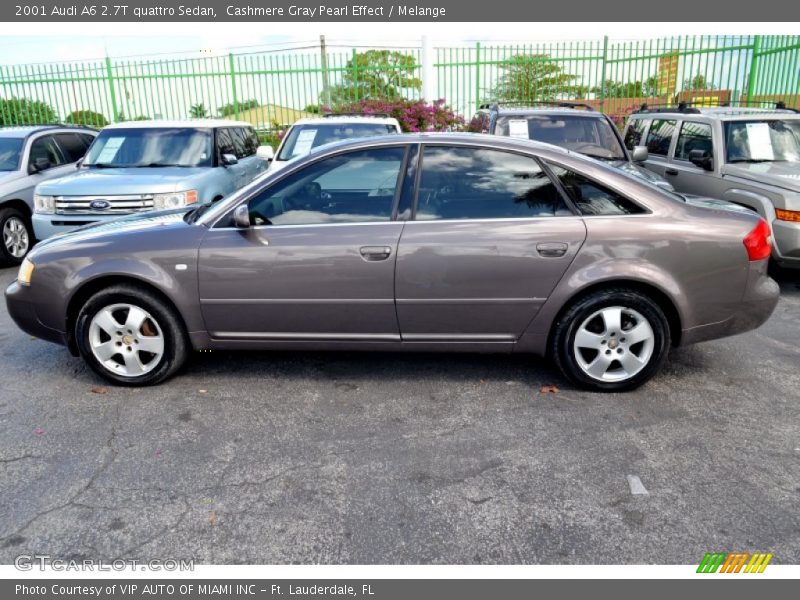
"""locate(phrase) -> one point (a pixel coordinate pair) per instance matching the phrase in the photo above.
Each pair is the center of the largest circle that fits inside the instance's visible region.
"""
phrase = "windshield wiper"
(158, 164)
(102, 165)
(751, 160)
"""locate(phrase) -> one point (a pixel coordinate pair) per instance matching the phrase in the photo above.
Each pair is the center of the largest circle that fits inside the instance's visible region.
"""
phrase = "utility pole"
(323, 63)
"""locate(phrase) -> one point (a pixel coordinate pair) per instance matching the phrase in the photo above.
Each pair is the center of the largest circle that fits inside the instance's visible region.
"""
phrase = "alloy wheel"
(15, 237)
(126, 340)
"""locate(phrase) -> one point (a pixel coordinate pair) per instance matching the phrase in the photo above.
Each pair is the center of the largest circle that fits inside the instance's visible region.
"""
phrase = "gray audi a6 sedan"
(416, 242)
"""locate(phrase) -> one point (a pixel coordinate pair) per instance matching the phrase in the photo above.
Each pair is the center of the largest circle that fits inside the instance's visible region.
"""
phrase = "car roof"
(179, 123)
(729, 113)
(382, 120)
(23, 131)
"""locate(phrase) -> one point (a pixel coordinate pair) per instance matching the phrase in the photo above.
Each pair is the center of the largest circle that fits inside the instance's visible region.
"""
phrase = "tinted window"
(251, 141)
(71, 145)
(46, 147)
(477, 183)
(240, 143)
(593, 136)
(694, 136)
(592, 198)
(301, 139)
(633, 136)
(225, 142)
(86, 139)
(660, 136)
(346, 188)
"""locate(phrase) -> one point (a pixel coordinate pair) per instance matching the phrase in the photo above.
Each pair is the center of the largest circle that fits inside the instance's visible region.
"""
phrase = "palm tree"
(198, 111)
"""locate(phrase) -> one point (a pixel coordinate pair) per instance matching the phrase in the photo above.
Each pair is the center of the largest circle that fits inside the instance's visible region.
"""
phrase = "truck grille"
(114, 205)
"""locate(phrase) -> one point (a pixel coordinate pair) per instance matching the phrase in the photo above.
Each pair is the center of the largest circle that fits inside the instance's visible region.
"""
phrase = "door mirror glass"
(702, 159)
(265, 153)
(229, 159)
(241, 216)
(639, 154)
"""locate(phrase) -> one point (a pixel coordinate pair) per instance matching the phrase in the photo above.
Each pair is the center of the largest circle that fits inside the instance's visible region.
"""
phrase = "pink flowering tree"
(413, 115)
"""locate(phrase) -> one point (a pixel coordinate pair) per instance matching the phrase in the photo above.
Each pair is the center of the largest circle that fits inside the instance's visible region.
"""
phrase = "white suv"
(307, 134)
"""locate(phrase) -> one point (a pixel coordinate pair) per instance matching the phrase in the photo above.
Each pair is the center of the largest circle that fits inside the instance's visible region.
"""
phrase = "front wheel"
(611, 340)
(130, 336)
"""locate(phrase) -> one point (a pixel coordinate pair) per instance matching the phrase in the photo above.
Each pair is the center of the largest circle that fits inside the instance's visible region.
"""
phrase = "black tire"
(566, 328)
(176, 344)
(7, 259)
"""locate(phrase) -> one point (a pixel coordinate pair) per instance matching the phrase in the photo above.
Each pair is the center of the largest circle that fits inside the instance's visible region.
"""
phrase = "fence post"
(751, 80)
(233, 85)
(477, 75)
(113, 92)
(355, 75)
(603, 75)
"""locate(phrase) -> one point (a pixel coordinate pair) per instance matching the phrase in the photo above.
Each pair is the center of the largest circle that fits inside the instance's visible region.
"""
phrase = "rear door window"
(592, 198)
(660, 136)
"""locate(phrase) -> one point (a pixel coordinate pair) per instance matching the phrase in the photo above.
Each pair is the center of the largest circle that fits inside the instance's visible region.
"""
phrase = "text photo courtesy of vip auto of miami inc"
(323, 294)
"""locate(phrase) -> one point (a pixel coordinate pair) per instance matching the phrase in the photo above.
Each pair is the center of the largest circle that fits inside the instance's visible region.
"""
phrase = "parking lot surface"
(401, 458)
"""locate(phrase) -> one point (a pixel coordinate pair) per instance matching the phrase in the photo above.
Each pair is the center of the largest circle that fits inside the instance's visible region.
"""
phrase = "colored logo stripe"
(734, 562)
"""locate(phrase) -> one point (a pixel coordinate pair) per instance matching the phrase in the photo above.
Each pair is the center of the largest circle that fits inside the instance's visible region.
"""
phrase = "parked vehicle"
(28, 156)
(746, 155)
(307, 134)
(428, 242)
(140, 166)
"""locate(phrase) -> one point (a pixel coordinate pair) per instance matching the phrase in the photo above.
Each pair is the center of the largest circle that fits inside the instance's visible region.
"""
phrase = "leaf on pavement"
(549, 389)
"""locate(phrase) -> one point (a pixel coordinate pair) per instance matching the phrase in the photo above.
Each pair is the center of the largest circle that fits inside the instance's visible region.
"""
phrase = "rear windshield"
(151, 147)
(303, 138)
(10, 149)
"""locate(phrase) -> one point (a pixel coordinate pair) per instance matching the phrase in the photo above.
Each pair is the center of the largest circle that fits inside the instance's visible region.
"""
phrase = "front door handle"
(371, 253)
(671, 171)
(552, 249)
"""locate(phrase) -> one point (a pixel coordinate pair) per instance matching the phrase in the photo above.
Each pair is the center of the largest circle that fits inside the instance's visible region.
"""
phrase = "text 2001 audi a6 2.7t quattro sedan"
(417, 242)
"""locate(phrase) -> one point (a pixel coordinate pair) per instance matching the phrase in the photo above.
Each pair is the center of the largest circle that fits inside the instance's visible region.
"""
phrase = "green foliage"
(532, 77)
(24, 111)
(375, 74)
(312, 108)
(698, 82)
(198, 111)
(229, 110)
(86, 117)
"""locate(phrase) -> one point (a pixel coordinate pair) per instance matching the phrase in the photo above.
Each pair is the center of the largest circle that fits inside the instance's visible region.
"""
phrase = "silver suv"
(28, 156)
(746, 155)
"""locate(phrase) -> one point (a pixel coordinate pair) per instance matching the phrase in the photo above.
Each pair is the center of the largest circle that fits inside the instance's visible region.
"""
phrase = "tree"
(229, 110)
(198, 111)
(698, 82)
(375, 74)
(619, 89)
(86, 117)
(25, 111)
(531, 77)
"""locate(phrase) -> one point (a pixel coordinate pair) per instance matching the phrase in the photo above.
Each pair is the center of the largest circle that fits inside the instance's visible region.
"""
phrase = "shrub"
(86, 117)
(479, 123)
(413, 115)
(25, 111)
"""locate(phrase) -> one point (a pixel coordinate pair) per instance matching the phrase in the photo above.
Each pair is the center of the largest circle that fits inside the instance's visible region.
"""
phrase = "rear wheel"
(130, 336)
(17, 236)
(611, 340)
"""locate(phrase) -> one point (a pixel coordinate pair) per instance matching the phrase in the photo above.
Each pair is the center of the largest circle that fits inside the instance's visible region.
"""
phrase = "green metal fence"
(272, 89)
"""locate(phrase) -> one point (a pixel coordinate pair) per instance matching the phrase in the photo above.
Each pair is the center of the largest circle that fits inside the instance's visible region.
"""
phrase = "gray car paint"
(460, 285)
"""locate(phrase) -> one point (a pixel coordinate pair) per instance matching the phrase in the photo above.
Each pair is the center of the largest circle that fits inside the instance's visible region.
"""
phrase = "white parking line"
(636, 485)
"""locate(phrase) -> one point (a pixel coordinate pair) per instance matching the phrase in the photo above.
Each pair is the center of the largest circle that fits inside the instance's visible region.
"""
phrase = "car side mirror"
(229, 159)
(702, 159)
(241, 216)
(40, 164)
(639, 154)
(265, 153)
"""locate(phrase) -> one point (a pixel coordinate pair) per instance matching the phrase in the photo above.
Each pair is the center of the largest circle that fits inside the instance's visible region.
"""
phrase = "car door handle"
(672, 171)
(375, 252)
(552, 249)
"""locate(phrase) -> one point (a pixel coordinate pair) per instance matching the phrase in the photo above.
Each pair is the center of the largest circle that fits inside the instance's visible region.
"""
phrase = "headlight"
(25, 272)
(174, 200)
(44, 204)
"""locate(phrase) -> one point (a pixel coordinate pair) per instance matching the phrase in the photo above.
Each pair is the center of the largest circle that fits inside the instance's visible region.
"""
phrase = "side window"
(239, 142)
(633, 137)
(478, 183)
(592, 198)
(72, 146)
(347, 188)
(251, 141)
(694, 136)
(86, 139)
(660, 136)
(224, 142)
(46, 147)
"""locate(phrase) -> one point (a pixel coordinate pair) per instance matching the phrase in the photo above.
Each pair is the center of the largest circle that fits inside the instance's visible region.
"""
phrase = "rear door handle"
(552, 249)
(672, 171)
(371, 253)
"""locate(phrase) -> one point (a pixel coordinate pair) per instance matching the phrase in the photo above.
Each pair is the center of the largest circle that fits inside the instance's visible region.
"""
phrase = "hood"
(784, 175)
(89, 181)
(173, 218)
(632, 168)
(705, 202)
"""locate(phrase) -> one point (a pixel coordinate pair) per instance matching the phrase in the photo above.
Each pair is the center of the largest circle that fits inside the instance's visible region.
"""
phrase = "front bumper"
(23, 312)
(46, 226)
(786, 249)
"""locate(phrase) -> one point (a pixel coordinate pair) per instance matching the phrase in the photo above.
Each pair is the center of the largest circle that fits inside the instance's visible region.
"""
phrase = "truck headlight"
(45, 205)
(174, 199)
(25, 272)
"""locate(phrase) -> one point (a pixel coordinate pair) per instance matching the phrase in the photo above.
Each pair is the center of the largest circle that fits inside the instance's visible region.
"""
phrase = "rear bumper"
(23, 312)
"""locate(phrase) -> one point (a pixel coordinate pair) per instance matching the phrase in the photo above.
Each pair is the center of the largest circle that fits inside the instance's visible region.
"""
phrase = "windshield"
(9, 153)
(592, 136)
(151, 147)
(303, 138)
(762, 141)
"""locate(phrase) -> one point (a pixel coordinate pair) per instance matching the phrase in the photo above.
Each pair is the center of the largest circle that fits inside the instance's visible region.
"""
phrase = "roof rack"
(683, 107)
(358, 114)
(689, 107)
(52, 126)
(534, 103)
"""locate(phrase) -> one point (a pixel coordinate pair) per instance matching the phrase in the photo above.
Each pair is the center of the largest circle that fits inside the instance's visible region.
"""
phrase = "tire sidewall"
(568, 326)
(174, 343)
(6, 213)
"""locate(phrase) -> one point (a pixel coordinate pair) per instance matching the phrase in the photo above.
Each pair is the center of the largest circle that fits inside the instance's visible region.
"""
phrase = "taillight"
(759, 242)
